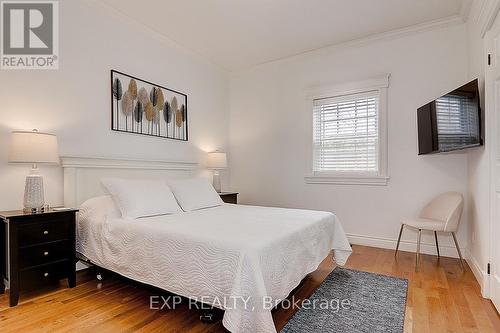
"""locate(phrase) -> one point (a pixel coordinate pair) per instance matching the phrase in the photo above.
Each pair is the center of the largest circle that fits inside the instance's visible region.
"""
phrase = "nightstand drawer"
(43, 275)
(43, 253)
(49, 231)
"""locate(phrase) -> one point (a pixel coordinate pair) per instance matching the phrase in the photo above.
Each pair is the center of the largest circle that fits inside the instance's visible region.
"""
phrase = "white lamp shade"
(216, 160)
(33, 147)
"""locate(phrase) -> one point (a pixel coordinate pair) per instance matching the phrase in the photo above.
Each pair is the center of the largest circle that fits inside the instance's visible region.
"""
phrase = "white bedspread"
(223, 252)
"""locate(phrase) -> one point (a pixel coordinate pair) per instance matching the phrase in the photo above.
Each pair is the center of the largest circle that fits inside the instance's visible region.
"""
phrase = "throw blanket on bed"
(236, 257)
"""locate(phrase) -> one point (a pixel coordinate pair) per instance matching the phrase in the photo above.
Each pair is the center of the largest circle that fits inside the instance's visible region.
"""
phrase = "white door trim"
(492, 128)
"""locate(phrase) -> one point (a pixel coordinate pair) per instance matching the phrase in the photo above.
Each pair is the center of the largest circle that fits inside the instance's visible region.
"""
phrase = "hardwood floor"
(441, 298)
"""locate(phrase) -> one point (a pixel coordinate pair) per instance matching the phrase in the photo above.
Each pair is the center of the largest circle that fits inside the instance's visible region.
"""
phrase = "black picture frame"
(153, 122)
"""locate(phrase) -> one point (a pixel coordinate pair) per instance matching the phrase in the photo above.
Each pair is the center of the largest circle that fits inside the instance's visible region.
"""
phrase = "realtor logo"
(29, 34)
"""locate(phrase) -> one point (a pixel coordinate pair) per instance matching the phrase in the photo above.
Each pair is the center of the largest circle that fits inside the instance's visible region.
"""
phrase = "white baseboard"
(410, 246)
(480, 274)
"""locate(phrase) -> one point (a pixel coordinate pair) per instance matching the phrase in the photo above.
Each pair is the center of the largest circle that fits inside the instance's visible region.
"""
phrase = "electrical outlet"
(473, 237)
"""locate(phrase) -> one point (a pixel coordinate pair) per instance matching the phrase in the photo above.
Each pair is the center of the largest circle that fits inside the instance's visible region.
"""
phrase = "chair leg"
(399, 239)
(418, 249)
(437, 244)
(458, 249)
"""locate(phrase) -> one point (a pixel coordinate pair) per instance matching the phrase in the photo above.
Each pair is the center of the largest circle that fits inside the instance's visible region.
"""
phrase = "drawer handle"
(45, 232)
(46, 253)
(45, 274)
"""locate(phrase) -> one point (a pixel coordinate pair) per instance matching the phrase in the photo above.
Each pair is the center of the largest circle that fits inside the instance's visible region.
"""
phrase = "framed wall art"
(143, 107)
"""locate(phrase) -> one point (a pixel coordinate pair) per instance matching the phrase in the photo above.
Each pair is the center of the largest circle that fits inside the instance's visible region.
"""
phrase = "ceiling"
(237, 34)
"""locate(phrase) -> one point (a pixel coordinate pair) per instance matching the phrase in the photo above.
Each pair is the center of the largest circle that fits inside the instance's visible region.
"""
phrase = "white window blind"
(457, 121)
(346, 134)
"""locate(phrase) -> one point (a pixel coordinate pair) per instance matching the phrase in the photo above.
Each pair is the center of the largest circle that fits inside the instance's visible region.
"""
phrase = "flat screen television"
(451, 122)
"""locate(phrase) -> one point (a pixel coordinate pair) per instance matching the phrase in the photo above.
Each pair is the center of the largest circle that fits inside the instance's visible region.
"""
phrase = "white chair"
(441, 214)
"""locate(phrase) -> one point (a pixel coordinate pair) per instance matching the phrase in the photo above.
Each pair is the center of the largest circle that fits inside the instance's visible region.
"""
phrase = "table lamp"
(35, 148)
(216, 161)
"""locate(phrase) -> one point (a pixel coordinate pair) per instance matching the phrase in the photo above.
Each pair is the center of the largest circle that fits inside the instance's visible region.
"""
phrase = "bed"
(242, 259)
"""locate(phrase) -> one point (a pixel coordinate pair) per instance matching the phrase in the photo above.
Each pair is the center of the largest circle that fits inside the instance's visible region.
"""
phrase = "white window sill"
(347, 180)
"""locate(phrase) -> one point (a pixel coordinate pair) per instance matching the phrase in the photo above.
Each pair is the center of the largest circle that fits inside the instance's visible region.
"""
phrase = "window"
(346, 133)
(457, 121)
(349, 134)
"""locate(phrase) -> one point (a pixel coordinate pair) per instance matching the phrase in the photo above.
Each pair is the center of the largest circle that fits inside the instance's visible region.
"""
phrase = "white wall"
(269, 144)
(269, 141)
(74, 101)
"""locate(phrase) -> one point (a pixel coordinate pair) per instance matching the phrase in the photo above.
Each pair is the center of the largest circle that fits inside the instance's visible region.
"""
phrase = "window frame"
(379, 84)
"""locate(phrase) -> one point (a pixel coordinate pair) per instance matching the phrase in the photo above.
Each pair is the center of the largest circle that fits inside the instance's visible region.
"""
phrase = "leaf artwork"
(142, 107)
(132, 89)
(159, 107)
(117, 89)
(183, 113)
(127, 104)
(178, 118)
(156, 118)
(143, 96)
(127, 107)
(183, 118)
(148, 110)
(132, 92)
(149, 113)
(138, 111)
(153, 96)
(161, 100)
(173, 104)
(117, 93)
(167, 115)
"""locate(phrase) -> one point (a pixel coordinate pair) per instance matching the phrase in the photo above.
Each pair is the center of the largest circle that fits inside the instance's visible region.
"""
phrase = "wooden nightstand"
(229, 197)
(36, 250)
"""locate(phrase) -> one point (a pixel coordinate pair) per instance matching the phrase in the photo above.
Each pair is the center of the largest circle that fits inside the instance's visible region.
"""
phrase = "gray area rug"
(372, 303)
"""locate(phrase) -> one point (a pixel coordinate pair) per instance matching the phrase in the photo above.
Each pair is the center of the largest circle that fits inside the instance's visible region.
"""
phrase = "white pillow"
(141, 197)
(195, 193)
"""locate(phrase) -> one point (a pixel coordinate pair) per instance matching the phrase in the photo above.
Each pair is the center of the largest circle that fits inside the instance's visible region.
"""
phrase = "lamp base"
(33, 210)
(33, 192)
(216, 181)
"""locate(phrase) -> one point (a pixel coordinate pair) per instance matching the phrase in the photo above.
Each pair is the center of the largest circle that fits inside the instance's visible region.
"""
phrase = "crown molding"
(388, 35)
(482, 14)
(465, 9)
(412, 29)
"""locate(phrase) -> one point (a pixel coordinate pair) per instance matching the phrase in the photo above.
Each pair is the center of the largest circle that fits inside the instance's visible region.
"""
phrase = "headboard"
(82, 175)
